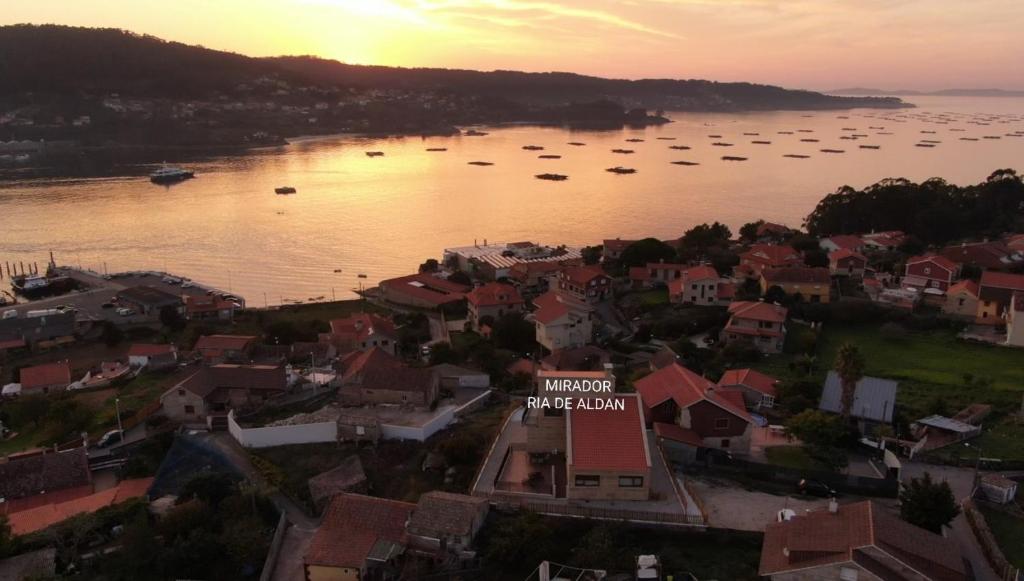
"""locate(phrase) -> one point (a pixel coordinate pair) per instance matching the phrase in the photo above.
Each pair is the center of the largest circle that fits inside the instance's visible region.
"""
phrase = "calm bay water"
(383, 216)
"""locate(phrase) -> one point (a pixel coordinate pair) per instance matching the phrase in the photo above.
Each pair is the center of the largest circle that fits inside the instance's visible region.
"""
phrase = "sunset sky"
(818, 44)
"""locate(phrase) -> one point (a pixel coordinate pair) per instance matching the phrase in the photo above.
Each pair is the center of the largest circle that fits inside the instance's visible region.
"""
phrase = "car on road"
(815, 488)
(125, 312)
(11, 314)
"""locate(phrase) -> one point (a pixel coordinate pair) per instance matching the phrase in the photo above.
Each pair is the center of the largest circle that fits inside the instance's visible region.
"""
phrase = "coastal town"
(767, 404)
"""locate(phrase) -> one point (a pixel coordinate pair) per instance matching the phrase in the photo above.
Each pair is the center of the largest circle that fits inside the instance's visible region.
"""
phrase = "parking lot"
(95, 301)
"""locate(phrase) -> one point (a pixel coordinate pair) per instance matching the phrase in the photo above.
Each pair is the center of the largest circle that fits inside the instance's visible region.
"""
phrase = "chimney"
(833, 506)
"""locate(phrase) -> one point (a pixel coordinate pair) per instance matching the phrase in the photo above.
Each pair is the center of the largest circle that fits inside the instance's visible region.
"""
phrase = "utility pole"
(120, 428)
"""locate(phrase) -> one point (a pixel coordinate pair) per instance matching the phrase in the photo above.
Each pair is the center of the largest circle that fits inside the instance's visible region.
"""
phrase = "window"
(725, 443)
(190, 410)
(181, 392)
(694, 287)
(360, 430)
(588, 481)
(722, 424)
(767, 401)
(631, 481)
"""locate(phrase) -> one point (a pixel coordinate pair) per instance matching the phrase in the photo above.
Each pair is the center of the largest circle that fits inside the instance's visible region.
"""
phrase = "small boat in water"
(785, 133)
(796, 155)
(761, 142)
(549, 156)
(715, 136)
(833, 151)
(621, 170)
(481, 163)
(750, 134)
(810, 140)
(679, 147)
(733, 158)
(437, 149)
(635, 140)
(474, 133)
(622, 151)
(721, 144)
(685, 163)
(667, 138)
(169, 174)
(870, 146)
(924, 144)
(374, 153)
(285, 190)
(555, 177)
(577, 143)
(533, 147)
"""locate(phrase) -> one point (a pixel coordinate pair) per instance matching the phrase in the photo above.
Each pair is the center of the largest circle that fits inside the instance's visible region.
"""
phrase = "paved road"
(732, 507)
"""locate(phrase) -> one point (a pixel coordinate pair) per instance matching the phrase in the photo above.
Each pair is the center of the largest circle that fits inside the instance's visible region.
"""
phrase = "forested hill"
(66, 60)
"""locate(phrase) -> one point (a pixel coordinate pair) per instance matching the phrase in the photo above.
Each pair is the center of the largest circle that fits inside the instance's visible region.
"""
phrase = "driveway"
(732, 507)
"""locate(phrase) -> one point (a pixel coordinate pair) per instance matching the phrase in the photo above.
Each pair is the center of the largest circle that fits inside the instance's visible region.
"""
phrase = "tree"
(775, 294)
(592, 254)
(512, 331)
(817, 428)
(698, 240)
(850, 368)
(748, 232)
(430, 265)
(171, 318)
(647, 250)
(443, 353)
(6, 540)
(928, 504)
(111, 334)
(816, 258)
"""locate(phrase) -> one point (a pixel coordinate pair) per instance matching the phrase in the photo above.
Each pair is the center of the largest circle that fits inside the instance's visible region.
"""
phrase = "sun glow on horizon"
(818, 44)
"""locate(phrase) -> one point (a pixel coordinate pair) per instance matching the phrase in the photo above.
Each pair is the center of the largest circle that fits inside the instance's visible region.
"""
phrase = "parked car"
(815, 488)
(111, 437)
(11, 314)
(124, 312)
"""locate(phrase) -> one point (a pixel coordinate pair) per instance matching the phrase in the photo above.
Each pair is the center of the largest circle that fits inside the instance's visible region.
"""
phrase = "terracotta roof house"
(762, 256)
(362, 331)
(696, 285)
(846, 262)
(589, 284)
(46, 515)
(655, 272)
(773, 231)
(611, 250)
(995, 290)
(152, 356)
(812, 285)
(607, 457)
(216, 349)
(759, 390)
(534, 278)
(361, 537)
(445, 522)
(849, 242)
(422, 290)
(376, 377)
(962, 299)
(208, 307)
(930, 271)
(211, 392)
(994, 255)
(698, 409)
(492, 300)
(857, 541)
(45, 378)
(562, 322)
(759, 322)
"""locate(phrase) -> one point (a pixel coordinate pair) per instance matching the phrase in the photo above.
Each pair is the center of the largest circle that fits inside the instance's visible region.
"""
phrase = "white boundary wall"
(282, 435)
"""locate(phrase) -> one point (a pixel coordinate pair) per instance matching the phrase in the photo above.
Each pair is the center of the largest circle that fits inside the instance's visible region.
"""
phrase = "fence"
(993, 554)
(848, 483)
(599, 513)
(275, 549)
(266, 437)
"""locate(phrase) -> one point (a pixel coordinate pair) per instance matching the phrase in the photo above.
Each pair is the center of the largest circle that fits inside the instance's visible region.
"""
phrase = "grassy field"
(1009, 533)
(793, 457)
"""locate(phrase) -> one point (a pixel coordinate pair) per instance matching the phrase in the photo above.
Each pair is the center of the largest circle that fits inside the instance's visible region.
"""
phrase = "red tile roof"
(678, 434)
(149, 349)
(425, 287)
(47, 374)
(1005, 280)
(821, 538)
(842, 253)
(966, 285)
(797, 275)
(582, 275)
(772, 254)
(749, 378)
(378, 369)
(685, 388)
(494, 294)
(246, 377)
(984, 254)
(940, 261)
(609, 439)
(702, 272)
(846, 241)
(758, 311)
(361, 325)
(552, 306)
(352, 525)
(41, 517)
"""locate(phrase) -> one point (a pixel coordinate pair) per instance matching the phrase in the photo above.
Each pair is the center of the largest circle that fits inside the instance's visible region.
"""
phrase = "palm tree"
(850, 368)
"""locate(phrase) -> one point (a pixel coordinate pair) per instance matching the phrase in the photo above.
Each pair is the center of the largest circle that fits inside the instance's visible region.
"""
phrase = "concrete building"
(491, 301)
(562, 322)
(764, 324)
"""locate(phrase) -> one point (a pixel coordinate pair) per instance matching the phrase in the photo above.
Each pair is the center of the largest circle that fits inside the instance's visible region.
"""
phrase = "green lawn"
(1009, 533)
(793, 457)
